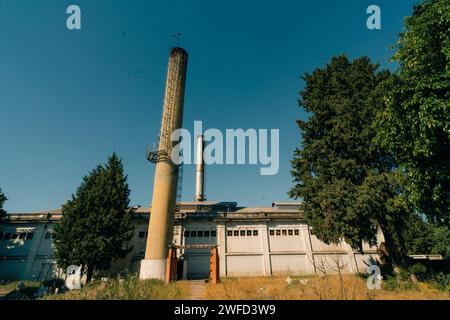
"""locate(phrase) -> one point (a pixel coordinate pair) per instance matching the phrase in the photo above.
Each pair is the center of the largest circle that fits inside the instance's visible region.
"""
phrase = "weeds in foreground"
(126, 289)
(19, 290)
(325, 287)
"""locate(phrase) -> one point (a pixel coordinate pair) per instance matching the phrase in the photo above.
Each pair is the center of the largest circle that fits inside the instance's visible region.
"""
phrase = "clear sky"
(68, 99)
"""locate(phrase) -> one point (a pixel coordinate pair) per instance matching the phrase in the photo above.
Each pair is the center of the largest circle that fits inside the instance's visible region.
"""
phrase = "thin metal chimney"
(200, 172)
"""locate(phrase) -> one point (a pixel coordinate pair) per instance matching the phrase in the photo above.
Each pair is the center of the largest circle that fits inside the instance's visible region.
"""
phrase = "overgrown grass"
(9, 290)
(403, 281)
(6, 287)
(127, 289)
(327, 287)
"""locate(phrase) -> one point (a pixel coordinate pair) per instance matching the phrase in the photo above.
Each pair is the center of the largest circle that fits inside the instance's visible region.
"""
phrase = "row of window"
(272, 232)
(242, 233)
(200, 234)
(187, 234)
(14, 236)
(284, 232)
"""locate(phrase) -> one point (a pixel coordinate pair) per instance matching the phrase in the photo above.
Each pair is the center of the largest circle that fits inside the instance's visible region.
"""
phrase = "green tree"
(2, 202)
(96, 224)
(348, 184)
(422, 237)
(415, 125)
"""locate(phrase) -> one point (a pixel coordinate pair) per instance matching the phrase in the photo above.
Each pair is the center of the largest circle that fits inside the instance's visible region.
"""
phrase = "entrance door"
(198, 266)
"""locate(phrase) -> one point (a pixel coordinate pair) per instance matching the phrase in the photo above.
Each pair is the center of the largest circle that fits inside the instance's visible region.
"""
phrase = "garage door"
(198, 266)
(245, 266)
(289, 264)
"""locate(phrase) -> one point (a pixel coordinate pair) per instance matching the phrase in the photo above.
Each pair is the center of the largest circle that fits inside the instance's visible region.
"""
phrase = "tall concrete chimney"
(200, 172)
(160, 230)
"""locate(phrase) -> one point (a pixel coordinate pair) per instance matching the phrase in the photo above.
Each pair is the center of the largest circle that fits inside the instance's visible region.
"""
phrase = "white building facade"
(251, 242)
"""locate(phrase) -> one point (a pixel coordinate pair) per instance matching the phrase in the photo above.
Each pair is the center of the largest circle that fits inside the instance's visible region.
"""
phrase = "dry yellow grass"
(327, 287)
(127, 289)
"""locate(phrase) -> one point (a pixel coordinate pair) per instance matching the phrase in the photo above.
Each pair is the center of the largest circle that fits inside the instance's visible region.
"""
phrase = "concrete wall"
(246, 248)
(283, 248)
(29, 256)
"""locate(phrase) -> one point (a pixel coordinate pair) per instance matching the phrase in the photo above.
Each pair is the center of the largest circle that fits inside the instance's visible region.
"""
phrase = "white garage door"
(289, 264)
(245, 266)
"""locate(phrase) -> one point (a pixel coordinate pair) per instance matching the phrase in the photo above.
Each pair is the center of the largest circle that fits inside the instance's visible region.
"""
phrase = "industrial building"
(250, 241)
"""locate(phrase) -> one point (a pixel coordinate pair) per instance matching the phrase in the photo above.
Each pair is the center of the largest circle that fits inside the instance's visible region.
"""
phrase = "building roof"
(185, 210)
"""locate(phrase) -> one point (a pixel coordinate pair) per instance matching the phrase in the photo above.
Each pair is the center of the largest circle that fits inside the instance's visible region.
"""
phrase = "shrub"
(420, 271)
(442, 282)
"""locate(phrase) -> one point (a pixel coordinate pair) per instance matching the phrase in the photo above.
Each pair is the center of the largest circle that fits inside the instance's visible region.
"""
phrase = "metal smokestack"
(160, 232)
(200, 172)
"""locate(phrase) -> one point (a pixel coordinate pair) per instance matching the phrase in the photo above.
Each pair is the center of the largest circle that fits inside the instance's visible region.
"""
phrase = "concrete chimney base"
(153, 269)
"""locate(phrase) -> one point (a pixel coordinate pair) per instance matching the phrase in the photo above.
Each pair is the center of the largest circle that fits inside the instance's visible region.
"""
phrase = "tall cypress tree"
(348, 184)
(96, 223)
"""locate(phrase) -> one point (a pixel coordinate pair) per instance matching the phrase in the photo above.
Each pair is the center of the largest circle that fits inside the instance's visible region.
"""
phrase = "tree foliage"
(422, 237)
(96, 223)
(348, 184)
(415, 125)
(2, 202)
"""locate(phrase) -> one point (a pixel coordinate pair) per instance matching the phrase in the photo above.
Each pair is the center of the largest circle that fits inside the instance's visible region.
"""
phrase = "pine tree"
(348, 184)
(96, 223)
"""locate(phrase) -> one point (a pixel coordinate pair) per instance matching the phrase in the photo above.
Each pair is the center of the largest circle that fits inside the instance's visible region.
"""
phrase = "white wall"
(264, 248)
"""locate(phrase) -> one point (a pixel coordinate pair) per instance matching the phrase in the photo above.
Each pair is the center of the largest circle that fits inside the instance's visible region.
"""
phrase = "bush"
(400, 282)
(420, 271)
(442, 282)
(391, 284)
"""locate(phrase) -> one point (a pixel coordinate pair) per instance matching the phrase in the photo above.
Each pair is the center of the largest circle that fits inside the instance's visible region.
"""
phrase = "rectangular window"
(284, 232)
(30, 235)
(186, 234)
(207, 233)
(22, 235)
(242, 233)
(7, 236)
(236, 233)
(200, 234)
(213, 233)
(278, 232)
(193, 234)
(272, 232)
(14, 236)
(297, 232)
(249, 233)
(142, 234)
(229, 233)
(255, 232)
(290, 232)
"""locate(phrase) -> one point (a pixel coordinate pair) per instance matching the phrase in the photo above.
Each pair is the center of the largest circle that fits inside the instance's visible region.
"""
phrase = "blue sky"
(68, 99)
